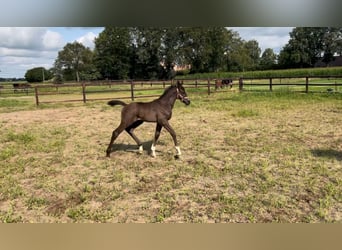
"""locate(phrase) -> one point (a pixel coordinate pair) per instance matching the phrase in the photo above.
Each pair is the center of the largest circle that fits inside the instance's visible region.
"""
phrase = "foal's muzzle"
(183, 98)
(186, 100)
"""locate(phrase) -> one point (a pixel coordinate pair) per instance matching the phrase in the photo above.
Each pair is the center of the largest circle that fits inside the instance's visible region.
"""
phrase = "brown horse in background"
(228, 82)
(21, 87)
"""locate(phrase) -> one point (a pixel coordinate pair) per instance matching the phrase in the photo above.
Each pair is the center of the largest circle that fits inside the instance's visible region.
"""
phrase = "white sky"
(24, 48)
(267, 37)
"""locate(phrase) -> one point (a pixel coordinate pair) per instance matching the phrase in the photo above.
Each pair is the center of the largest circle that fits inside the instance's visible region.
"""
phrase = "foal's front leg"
(168, 127)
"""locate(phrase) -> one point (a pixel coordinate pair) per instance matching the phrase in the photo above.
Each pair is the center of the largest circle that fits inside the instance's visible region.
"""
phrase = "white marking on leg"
(178, 150)
(153, 151)
(141, 149)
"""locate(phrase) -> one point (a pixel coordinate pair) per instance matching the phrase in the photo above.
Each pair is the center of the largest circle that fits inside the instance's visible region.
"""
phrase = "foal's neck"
(169, 97)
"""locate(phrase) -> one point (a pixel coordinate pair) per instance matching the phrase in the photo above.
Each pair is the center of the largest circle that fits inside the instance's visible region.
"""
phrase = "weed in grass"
(9, 216)
(21, 138)
(278, 202)
(163, 212)
(8, 153)
(13, 168)
(10, 188)
(84, 214)
(246, 113)
(322, 210)
(35, 202)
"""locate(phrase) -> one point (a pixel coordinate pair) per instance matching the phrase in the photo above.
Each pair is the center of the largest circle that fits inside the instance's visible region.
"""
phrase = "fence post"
(208, 87)
(84, 92)
(271, 84)
(240, 84)
(196, 84)
(307, 84)
(36, 94)
(132, 90)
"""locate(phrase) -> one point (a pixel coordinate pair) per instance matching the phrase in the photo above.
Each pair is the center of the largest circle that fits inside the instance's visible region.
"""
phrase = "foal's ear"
(179, 83)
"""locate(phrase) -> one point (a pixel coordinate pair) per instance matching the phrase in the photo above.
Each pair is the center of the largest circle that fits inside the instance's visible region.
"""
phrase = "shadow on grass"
(327, 153)
(131, 147)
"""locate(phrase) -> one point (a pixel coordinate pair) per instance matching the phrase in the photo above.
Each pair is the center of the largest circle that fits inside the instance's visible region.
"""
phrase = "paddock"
(246, 157)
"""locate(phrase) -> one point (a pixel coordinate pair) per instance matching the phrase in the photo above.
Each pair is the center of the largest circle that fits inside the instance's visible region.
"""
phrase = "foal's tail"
(116, 102)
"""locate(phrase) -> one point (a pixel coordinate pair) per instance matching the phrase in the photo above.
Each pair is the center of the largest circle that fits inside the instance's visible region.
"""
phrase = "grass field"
(247, 157)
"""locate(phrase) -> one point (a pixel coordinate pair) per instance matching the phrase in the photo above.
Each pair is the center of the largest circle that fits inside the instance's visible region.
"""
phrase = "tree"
(73, 61)
(299, 51)
(205, 48)
(268, 59)
(339, 42)
(233, 52)
(113, 52)
(241, 55)
(147, 52)
(253, 51)
(195, 48)
(307, 45)
(39, 74)
(171, 51)
(152, 53)
(332, 44)
(218, 38)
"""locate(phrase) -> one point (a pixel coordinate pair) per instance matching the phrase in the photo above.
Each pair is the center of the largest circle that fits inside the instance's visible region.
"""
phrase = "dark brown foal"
(159, 111)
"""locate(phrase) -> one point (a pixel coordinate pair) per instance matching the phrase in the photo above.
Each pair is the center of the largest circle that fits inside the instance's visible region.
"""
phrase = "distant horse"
(159, 111)
(223, 83)
(227, 82)
(21, 86)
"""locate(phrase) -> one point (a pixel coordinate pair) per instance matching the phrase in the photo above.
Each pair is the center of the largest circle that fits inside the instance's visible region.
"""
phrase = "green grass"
(14, 104)
(247, 157)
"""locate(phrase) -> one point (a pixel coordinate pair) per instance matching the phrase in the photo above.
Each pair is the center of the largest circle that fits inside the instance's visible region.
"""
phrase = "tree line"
(155, 53)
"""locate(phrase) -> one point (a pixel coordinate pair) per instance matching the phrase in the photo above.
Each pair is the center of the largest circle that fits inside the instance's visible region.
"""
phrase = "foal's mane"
(167, 90)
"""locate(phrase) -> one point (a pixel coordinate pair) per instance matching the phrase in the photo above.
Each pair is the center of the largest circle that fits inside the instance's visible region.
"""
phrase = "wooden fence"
(302, 84)
(105, 90)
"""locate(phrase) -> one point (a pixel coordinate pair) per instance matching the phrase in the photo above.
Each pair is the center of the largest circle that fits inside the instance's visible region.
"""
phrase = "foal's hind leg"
(130, 130)
(115, 134)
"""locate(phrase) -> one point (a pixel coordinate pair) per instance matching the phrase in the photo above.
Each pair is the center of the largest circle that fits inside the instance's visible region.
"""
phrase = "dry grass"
(246, 158)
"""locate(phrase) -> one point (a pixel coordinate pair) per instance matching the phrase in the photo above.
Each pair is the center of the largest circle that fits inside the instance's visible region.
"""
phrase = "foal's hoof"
(108, 151)
(177, 157)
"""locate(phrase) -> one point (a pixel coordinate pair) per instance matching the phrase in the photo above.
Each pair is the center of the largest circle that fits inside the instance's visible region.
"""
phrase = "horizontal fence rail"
(301, 84)
(94, 91)
(134, 89)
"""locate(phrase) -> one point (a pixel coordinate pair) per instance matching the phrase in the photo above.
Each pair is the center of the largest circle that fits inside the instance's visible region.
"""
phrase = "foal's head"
(181, 94)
